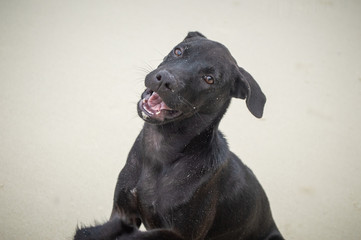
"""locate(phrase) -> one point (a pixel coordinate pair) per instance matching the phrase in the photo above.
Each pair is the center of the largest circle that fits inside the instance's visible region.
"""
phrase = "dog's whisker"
(160, 53)
(193, 108)
(185, 101)
(145, 70)
(150, 67)
(200, 117)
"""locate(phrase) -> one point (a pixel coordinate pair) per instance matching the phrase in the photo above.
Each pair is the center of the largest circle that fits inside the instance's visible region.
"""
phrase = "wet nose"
(165, 80)
(158, 77)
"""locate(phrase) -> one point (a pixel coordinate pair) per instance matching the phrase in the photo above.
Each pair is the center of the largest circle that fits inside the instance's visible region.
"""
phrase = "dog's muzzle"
(153, 109)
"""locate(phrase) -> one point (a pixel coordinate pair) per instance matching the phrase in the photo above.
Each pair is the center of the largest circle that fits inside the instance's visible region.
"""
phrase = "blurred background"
(71, 73)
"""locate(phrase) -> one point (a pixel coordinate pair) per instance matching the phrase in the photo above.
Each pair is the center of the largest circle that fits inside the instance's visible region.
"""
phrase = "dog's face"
(197, 76)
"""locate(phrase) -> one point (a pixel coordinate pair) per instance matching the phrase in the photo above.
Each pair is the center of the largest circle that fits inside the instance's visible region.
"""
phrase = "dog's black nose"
(163, 75)
(165, 80)
(161, 81)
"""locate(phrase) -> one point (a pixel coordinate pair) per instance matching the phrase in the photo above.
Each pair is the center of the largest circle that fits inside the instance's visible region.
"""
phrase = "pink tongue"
(155, 102)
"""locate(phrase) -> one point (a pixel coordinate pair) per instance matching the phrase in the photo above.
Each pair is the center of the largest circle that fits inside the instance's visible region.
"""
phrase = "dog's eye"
(178, 52)
(208, 79)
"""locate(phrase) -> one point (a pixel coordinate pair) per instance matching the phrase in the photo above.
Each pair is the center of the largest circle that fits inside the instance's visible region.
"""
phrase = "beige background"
(71, 73)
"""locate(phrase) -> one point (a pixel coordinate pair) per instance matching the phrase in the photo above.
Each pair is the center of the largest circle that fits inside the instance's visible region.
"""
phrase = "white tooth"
(157, 112)
(145, 116)
(147, 110)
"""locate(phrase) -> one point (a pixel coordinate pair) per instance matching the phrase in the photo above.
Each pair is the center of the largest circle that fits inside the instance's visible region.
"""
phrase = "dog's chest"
(160, 192)
(160, 148)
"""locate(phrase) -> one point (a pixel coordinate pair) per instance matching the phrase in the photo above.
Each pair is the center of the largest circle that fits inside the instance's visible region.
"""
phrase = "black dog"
(181, 180)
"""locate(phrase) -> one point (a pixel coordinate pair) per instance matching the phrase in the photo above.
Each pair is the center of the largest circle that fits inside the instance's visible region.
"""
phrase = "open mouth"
(152, 106)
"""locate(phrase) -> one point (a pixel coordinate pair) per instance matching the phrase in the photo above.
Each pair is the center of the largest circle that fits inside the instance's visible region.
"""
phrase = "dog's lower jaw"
(159, 117)
(152, 109)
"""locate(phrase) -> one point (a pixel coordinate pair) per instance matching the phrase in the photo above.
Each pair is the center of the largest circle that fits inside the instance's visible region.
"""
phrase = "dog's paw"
(127, 228)
(83, 234)
(107, 231)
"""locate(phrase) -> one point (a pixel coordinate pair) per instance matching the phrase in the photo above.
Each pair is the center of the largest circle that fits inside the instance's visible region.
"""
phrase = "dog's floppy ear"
(245, 87)
(194, 34)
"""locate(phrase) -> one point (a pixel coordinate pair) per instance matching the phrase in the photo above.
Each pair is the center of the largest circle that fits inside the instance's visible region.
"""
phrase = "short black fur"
(180, 179)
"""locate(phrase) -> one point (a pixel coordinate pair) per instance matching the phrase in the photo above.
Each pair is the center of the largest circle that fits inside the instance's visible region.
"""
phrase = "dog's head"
(197, 76)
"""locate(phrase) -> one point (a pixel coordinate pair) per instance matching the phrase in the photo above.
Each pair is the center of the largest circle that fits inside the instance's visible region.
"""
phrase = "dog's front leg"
(107, 231)
(124, 218)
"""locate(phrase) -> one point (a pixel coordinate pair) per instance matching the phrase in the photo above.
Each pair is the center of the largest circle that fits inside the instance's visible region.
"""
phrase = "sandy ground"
(71, 73)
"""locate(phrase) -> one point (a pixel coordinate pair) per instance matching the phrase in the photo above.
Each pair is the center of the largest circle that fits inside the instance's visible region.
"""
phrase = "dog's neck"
(166, 143)
(165, 146)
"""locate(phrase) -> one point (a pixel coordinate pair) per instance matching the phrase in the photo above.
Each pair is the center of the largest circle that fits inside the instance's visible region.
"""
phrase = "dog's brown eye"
(208, 79)
(178, 52)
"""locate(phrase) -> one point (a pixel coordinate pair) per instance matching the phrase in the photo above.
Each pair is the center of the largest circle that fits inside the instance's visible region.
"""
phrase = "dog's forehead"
(206, 45)
(205, 49)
